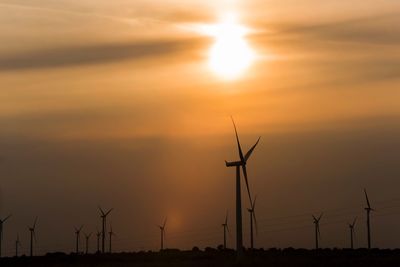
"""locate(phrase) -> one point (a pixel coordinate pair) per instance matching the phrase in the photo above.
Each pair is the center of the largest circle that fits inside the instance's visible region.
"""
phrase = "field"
(211, 257)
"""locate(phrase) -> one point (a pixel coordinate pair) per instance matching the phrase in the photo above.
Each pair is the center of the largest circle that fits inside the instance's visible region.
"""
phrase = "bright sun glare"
(230, 55)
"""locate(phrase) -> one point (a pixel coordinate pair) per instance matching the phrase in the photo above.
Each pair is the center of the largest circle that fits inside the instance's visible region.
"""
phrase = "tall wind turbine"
(1, 230)
(252, 217)
(162, 230)
(351, 228)
(87, 236)
(226, 228)
(17, 245)
(103, 216)
(240, 163)
(33, 236)
(368, 209)
(78, 237)
(98, 235)
(111, 233)
(317, 232)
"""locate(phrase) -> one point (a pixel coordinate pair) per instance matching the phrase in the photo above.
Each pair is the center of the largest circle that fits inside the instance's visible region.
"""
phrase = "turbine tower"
(87, 236)
(17, 245)
(33, 236)
(226, 228)
(351, 228)
(317, 232)
(1, 231)
(240, 163)
(252, 218)
(162, 230)
(111, 233)
(78, 237)
(368, 209)
(103, 216)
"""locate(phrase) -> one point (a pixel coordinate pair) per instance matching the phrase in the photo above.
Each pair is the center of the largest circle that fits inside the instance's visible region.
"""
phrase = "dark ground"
(212, 257)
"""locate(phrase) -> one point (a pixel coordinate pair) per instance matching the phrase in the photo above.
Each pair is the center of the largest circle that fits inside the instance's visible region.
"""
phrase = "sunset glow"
(230, 54)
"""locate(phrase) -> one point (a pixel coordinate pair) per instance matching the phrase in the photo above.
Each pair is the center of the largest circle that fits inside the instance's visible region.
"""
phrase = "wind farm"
(199, 133)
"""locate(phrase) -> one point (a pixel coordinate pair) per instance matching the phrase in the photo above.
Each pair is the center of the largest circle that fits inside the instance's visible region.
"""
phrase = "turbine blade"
(34, 223)
(248, 154)
(366, 197)
(315, 219)
(108, 212)
(247, 182)
(238, 142)
(255, 221)
(101, 211)
(253, 206)
(354, 222)
(165, 222)
(227, 228)
(320, 216)
(6, 218)
(226, 218)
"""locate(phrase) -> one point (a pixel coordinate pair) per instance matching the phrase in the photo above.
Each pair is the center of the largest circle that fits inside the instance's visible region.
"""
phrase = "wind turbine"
(17, 245)
(162, 230)
(103, 216)
(351, 228)
(111, 233)
(226, 228)
(240, 163)
(78, 237)
(317, 232)
(98, 235)
(87, 236)
(252, 217)
(1, 230)
(33, 236)
(368, 209)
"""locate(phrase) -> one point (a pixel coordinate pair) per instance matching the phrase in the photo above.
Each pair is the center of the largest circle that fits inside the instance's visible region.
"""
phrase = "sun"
(230, 55)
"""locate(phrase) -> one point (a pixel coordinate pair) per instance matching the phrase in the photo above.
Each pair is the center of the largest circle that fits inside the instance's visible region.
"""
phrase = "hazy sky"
(114, 103)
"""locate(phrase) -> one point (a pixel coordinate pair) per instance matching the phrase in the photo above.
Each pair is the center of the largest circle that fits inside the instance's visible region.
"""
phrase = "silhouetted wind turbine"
(162, 230)
(1, 231)
(104, 226)
(368, 209)
(78, 237)
(252, 216)
(87, 236)
(351, 227)
(17, 245)
(33, 236)
(226, 228)
(111, 233)
(241, 163)
(317, 232)
(98, 235)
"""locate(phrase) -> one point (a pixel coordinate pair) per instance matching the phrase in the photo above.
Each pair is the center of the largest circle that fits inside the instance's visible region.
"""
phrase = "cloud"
(95, 54)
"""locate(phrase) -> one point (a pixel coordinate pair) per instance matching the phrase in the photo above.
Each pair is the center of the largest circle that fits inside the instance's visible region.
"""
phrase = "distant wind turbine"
(226, 228)
(103, 216)
(17, 245)
(162, 230)
(240, 163)
(111, 233)
(78, 237)
(87, 236)
(252, 217)
(1, 231)
(351, 228)
(317, 232)
(368, 209)
(33, 236)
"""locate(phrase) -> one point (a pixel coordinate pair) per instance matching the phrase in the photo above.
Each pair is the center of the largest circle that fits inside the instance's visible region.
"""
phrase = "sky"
(114, 103)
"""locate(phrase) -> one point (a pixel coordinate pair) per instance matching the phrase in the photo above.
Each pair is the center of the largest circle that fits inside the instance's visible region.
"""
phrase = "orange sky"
(95, 94)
